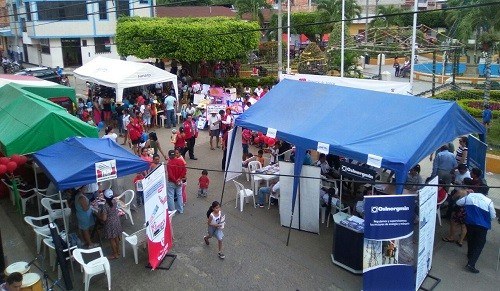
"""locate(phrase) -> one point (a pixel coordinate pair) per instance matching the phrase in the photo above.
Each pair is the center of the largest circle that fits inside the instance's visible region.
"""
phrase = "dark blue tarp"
(71, 163)
(355, 122)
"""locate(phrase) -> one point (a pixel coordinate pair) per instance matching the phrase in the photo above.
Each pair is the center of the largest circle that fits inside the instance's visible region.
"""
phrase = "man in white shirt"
(214, 121)
(258, 90)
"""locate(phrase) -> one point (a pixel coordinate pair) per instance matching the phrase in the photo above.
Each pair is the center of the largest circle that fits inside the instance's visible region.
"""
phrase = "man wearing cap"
(170, 103)
(176, 172)
(214, 121)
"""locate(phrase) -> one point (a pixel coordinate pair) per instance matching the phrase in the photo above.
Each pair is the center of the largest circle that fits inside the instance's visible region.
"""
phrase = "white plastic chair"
(52, 254)
(95, 267)
(41, 231)
(56, 213)
(438, 210)
(126, 199)
(26, 194)
(105, 185)
(245, 168)
(242, 193)
(274, 196)
(135, 239)
(252, 167)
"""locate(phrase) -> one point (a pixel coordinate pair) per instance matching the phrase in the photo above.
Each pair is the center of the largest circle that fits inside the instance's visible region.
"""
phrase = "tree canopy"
(186, 39)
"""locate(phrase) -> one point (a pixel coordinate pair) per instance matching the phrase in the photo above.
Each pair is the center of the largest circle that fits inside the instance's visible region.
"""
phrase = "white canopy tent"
(120, 74)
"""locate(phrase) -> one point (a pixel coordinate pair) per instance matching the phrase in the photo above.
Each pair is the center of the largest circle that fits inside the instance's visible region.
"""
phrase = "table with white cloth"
(268, 173)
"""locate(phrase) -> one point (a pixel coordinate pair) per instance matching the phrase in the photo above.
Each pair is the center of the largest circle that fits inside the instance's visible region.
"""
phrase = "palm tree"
(388, 10)
(253, 7)
(472, 22)
(332, 9)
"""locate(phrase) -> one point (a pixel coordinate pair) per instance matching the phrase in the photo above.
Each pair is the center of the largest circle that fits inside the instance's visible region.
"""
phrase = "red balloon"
(16, 158)
(4, 161)
(260, 134)
(256, 140)
(11, 166)
(3, 169)
(266, 139)
(271, 142)
(24, 159)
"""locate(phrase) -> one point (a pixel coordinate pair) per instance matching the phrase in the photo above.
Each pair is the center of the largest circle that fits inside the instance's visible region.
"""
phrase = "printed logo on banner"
(105, 170)
(374, 161)
(388, 244)
(357, 172)
(156, 215)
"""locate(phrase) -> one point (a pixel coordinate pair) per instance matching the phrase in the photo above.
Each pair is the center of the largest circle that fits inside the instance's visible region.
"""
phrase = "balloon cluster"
(264, 139)
(9, 165)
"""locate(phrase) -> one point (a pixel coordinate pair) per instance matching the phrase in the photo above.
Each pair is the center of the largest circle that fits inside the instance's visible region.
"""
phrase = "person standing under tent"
(112, 226)
(170, 103)
(84, 216)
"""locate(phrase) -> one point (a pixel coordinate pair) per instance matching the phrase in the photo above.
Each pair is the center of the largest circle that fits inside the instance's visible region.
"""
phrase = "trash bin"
(367, 59)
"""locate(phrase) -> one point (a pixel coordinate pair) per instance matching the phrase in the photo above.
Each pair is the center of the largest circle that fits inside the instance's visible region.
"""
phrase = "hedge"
(467, 94)
(478, 112)
(243, 82)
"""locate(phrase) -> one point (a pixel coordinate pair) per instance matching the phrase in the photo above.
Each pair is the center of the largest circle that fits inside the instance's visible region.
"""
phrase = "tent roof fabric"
(71, 163)
(42, 88)
(354, 122)
(120, 74)
(30, 123)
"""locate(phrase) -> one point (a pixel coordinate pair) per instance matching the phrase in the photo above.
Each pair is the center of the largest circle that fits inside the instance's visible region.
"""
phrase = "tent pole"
(228, 160)
(66, 229)
(289, 229)
(298, 190)
(38, 198)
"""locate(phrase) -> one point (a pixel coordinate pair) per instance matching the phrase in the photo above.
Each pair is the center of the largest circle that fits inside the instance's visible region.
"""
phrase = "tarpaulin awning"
(30, 123)
(120, 74)
(72, 162)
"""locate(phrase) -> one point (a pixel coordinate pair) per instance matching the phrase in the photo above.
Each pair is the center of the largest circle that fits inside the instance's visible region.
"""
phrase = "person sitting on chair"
(265, 191)
(326, 170)
(13, 282)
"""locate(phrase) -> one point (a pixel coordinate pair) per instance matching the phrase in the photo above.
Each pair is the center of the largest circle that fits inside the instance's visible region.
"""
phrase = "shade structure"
(30, 123)
(72, 162)
(42, 88)
(401, 130)
(120, 74)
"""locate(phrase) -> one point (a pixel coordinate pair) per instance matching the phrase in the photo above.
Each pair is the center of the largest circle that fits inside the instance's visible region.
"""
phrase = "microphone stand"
(46, 277)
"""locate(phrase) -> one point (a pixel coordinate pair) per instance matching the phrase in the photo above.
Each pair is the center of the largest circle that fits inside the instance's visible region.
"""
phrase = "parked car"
(44, 73)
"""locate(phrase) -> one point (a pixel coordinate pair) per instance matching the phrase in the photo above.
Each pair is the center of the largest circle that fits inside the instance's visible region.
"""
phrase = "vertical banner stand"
(169, 265)
(436, 282)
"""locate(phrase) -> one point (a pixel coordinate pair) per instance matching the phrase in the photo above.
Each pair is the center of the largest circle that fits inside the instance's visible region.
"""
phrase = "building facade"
(68, 33)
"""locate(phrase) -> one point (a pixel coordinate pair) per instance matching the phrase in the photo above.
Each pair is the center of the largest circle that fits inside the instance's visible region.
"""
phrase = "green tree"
(333, 51)
(332, 9)
(189, 40)
(388, 10)
(470, 23)
(301, 23)
(253, 7)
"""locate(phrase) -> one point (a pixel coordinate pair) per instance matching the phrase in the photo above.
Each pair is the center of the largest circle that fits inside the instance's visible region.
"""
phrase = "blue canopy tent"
(71, 163)
(356, 123)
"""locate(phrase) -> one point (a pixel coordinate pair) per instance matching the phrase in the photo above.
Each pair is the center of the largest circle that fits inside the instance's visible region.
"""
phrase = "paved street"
(255, 245)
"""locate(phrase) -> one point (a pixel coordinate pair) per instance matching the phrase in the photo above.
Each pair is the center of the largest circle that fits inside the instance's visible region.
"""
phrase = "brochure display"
(348, 255)
(388, 245)
(156, 214)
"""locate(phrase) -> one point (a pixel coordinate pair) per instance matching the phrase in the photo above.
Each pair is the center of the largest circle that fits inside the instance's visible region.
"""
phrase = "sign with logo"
(323, 148)
(105, 170)
(388, 244)
(427, 197)
(215, 108)
(357, 172)
(156, 214)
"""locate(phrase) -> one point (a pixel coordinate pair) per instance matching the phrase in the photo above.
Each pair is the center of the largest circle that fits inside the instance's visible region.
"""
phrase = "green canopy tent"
(30, 123)
(62, 95)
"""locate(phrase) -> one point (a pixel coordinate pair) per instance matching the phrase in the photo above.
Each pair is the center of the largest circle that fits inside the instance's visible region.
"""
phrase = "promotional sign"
(476, 153)
(202, 121)
(215, 108)
(156, 214)
(427, 226)
(235, 106)
(105, 170)
(388, 244)
(357, 172)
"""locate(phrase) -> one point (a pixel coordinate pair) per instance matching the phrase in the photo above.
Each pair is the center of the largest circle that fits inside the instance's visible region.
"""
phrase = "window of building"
(102, 45)
(23, 25)
(122, 8)
(103, 12)
(28, 11)
(14, 10)
(62, 10)
(45, 45)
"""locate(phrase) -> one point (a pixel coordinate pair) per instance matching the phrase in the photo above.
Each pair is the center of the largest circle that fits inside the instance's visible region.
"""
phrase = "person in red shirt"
(203, 182)
(180, 141)
(176, 172)
(191, 133)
